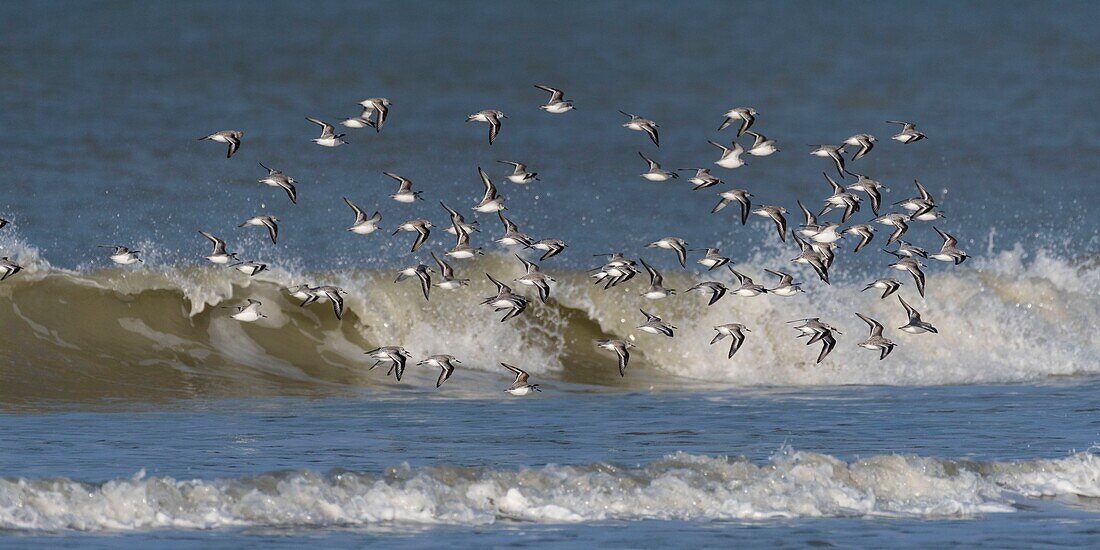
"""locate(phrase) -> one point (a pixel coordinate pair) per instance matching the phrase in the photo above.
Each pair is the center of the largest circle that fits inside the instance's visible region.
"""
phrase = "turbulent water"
(164, 330)
(134, 412)
(680, 486)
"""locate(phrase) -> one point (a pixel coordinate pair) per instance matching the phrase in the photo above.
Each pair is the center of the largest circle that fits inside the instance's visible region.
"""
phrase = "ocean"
(134, 412)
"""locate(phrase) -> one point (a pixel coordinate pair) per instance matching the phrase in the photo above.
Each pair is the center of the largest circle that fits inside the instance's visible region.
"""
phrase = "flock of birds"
(817, 239)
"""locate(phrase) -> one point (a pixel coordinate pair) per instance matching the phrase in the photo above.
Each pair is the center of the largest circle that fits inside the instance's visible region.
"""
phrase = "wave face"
(162, 330)
(680, 486)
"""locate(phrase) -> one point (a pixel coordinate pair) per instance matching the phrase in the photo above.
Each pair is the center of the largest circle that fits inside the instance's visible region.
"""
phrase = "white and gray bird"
(122, 255)
(269, 222)
(275, 178)
(713, 259)
(328, 137)
(865, 142)
(621, 348)
(775, 213)
(490, 116)
(550, 247)
(655, 172)
(420, 226)
(731, 330)
(656, 290)
(458, 222)
(422, 273)
(908, 133)
(745, 114)
(505, 299)
(786, 285)
(950, 251)
(396, 356)
(731, 156)
(557, 103)
(447, 276)
(715, 289)
(248, 313)
(655, 325)
(8, 268)
(490, 202)
(520, 386)
(445, 363)
(363, 225)
(702, 178)
(229, 137)
(871, 187)
(250, 267)
(520, 175)
(640, 124)
(865, 233)
(404, 192)
(876, 341)
(761, 145)
(818, 332)
(512, 235)
(745, 286)
(888, 286)
(535, 278)
(911, 265)
(218, 255)
(834, 152)
(743, 198)
(379, 105)
(675, 244)
(914, 324)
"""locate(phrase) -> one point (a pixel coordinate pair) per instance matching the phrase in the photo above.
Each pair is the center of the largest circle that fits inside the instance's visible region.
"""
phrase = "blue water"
(135, 414)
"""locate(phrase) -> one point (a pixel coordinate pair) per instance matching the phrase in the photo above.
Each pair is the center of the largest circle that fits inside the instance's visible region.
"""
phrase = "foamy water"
(681, 486)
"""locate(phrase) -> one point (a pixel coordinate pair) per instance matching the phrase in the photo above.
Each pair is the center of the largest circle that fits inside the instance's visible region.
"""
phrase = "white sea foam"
(680, 486)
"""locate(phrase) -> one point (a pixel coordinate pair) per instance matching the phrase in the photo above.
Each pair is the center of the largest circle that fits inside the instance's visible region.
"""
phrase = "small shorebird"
(656, 289)
(717, 290)
(898, 221)
(557, 103)
(712, 260)
(745, 114)
(949, 252)
(122, 255)
(249, 312)
(739, 195)
(330, 293)
(876, 341)
(520, 175)
(834, 152)
(491, 116)
(909, 250)
(620, 348)
(812, 257)
(865, 142)
(445, 363)
(490, 202)
(535, 278)
(776, 215)
(328, 137)
(702, 178)
(520, 386)
(871, 187)
(275, 178)
(361, 121)
(887, 285)
(731, 156)
(394, 355)
(840, 199)
(865, 233)
(8, 268)
(512, 235)
(421, 272)
(786, 285)
(250, 267)
(218, 256)
(458, 222)
(908, 133)
(640, 124)
(818, 332)
(761, 145)
(404, 192)
(655, 173)
(745, 285)
(422, 228)
(550, 247)
(378, 105)
(447, 273)
(505, 300)
(654, 325)
(913, 266)
(915, 325)
(672, 243)
(363, 225)
(230, 137)
(733, 330)
(270, 222)
(462, 249)
(810, 227)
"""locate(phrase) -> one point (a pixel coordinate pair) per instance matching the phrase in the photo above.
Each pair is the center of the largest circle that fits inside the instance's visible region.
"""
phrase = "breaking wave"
(162, 330)
(680, 486)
